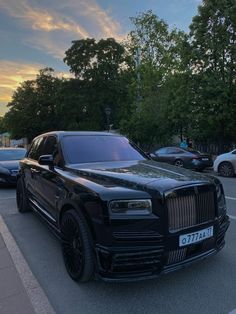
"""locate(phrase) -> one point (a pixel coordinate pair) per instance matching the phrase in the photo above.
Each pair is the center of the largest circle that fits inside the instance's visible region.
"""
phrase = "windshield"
(12, 154)
(100, 148)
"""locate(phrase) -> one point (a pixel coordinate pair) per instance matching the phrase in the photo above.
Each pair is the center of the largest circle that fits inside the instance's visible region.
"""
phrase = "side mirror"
(46, 160)
(151, 155)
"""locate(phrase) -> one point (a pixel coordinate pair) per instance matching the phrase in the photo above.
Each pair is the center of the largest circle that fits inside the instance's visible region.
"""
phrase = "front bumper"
(136, 260)
(200, 165)
(8, 180)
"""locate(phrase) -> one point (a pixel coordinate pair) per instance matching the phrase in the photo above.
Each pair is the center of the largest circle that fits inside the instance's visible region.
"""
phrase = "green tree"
(101, 71)
(213, 62)
(163, 54)
(33, 109)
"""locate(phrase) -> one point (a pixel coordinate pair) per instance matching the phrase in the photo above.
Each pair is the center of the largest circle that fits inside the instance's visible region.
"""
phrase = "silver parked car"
(225, 164)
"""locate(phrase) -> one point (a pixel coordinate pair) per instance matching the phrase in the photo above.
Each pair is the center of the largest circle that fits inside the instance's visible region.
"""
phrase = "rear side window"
(174, 151)
(162, 151)
(36, 149)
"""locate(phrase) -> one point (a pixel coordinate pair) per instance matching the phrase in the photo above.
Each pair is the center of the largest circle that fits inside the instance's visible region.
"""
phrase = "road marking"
(232, 217)
(230, 198)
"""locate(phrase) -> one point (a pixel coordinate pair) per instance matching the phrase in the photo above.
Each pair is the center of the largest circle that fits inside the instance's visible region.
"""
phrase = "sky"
(35, 33)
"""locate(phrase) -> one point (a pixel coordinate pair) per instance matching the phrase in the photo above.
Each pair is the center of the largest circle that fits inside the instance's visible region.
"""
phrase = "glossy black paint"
(124, 246)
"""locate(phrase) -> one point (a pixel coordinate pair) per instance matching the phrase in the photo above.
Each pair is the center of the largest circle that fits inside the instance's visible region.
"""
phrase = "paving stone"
(10, 283)
(5, 258)
(16, 304)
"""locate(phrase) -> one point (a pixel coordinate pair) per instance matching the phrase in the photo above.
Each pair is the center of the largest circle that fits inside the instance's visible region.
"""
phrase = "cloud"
(42, 19)
(54, 28)
(45, 42)
(12, 74)
(107, 26)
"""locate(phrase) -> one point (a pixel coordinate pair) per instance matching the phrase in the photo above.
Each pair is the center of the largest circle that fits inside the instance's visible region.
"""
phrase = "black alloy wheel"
(77, 248)
(22, 200)
(179, 163)
(226, 169)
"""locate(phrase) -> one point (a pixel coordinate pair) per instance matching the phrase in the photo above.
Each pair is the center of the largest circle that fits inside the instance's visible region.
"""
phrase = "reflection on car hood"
(139, 173)
(10, 164)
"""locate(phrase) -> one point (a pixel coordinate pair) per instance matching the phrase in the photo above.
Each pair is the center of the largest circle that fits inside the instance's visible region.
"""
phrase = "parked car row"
(224, 165)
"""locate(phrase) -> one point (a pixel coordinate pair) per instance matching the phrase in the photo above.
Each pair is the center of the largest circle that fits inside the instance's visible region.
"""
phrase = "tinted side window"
(174, 151)
(161, 151)
(51, 148)
(36, 149)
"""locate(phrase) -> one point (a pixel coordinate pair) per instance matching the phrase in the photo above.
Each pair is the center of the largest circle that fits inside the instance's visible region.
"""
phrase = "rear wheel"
(226, 169)
(22, 197)
(179, 163)
(77, 246)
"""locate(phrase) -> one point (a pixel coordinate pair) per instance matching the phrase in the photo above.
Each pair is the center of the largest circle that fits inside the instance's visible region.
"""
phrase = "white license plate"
(194, 237)
(205, 159)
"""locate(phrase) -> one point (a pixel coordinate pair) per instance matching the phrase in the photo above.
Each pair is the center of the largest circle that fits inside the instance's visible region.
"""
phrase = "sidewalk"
(20, 292)
(13, 296)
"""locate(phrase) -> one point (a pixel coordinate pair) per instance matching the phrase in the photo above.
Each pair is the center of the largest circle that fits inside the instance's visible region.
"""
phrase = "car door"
(51, 181)
(161, 154)
(31, 170)
(174, 153)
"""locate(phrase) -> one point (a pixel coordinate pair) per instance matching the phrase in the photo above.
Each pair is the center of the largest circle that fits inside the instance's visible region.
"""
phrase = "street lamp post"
(108, 113)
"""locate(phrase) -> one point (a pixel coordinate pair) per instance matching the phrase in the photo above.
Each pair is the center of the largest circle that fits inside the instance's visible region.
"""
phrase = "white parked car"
(225, 164)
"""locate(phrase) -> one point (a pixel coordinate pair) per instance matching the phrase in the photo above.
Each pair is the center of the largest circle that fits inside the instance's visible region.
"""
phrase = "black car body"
(9, 164)
(181, 157)
(120, 215)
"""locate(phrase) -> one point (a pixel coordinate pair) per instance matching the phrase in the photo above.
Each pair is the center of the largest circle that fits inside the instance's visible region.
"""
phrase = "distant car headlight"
(131, 207)
(220, 199)
(4, 171)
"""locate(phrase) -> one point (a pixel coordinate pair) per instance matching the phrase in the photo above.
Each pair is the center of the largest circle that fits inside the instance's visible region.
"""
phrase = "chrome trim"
(190, 210)
(42, 210)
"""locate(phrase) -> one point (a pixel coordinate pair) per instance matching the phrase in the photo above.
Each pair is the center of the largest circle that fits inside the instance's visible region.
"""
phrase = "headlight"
(220, 199)
(131, 207)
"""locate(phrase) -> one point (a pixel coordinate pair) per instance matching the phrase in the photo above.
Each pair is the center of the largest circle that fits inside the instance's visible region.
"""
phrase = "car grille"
(190, 210)
(176, 256)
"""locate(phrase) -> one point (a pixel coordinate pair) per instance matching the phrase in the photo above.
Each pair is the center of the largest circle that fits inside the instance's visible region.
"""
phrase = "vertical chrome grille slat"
(190, 210)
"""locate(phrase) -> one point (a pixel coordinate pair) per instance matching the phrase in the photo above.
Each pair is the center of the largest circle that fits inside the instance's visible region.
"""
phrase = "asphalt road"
(206, 287)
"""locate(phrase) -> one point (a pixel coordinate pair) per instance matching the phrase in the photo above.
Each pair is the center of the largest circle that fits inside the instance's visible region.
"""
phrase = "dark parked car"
(181, 157)
(9, 164)
(120, 215)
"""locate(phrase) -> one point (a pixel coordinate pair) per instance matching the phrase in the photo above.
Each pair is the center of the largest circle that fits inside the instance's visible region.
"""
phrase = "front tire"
(179, 163)
(22, 197)
(77, 246)
(226, 169)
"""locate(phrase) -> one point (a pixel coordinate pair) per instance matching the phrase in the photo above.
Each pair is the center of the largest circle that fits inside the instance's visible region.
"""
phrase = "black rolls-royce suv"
(120, 215)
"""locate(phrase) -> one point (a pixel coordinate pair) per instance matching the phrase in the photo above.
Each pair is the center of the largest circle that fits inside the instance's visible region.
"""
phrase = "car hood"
(10, 165)
(134, 174)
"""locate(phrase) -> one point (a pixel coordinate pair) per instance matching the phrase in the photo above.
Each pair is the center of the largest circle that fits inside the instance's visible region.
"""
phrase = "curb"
(33, 289)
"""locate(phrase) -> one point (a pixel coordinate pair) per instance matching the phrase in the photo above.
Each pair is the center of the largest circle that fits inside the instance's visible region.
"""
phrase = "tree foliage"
(33, 106)
(161, 58)
(213, 62)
